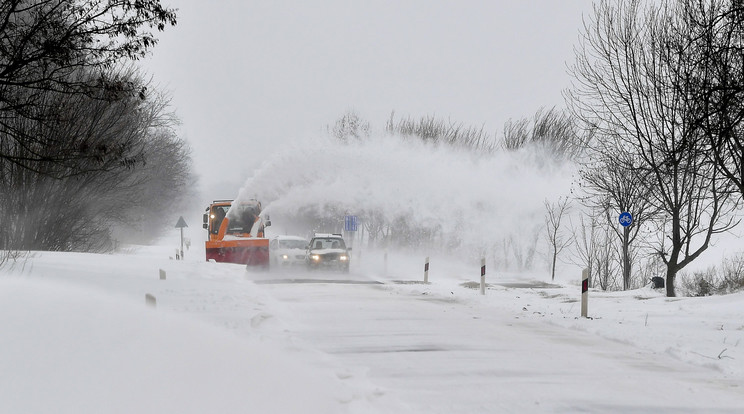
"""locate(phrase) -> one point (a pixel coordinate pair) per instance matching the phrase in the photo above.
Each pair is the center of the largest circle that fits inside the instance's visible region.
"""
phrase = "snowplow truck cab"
(236, 233)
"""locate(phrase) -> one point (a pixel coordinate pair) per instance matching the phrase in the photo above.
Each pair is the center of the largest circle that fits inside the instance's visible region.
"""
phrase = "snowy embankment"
(77, 336)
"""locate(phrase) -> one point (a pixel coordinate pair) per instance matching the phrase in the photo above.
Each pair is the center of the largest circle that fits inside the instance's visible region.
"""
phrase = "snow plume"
(455, 196)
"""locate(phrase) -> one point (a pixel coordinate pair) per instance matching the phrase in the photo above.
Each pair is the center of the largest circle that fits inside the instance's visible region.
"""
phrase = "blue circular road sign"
(625, 219)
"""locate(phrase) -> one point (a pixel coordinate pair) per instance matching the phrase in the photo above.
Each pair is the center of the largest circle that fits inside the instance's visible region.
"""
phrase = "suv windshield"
(327, 243)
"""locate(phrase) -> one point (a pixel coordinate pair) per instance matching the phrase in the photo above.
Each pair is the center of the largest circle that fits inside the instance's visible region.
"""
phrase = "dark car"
(328, 251)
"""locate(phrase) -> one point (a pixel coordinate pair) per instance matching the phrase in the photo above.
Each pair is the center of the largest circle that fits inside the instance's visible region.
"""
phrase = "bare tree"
(632, 83)
(714, 78)
(164, 184)
(45, 45)
(585, 239)
(557, 239)
(614, 182)
(595, 248)
(523, 246)
(605, 257)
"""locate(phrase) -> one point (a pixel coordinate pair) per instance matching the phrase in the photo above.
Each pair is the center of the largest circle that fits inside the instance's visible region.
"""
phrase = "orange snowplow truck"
(237, 236)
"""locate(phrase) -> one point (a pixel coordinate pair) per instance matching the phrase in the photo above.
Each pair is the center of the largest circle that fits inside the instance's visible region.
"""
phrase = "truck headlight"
(285, 257)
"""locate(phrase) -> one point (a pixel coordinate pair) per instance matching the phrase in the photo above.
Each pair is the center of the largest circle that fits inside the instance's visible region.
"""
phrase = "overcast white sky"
(248, 77)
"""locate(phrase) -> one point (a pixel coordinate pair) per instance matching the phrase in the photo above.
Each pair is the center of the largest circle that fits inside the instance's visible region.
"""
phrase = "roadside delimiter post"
(584, 292)
(150, 300)
(426, 270)
(483, 276)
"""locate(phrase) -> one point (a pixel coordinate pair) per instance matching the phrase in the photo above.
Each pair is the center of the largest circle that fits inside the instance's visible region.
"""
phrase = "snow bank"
(73, 349)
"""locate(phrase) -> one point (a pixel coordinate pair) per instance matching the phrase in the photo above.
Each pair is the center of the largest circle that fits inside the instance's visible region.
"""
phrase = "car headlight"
(343, 258)
(315, 257)
(285, 257)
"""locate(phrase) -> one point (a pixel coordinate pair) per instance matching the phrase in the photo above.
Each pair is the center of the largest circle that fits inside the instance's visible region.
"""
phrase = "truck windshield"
(218, 214)
(242, 219)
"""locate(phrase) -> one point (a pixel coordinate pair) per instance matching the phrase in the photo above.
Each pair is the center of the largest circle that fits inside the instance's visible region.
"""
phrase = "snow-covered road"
(447, 354)
(229, 340)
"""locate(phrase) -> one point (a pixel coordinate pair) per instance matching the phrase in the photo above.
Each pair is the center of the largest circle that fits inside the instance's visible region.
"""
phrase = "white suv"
(287, 250)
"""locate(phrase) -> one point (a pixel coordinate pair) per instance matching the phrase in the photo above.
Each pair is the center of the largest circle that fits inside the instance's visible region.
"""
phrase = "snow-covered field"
(78, 337)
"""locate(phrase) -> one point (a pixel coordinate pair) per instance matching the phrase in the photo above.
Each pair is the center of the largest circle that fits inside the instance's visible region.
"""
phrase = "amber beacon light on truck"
(236, 233)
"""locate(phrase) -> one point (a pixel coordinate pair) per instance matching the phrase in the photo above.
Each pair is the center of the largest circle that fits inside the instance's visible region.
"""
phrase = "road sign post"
(180, 225)
(350, 223)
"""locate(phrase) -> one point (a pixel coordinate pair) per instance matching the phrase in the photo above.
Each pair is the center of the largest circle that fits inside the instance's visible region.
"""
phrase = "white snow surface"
(78, 337)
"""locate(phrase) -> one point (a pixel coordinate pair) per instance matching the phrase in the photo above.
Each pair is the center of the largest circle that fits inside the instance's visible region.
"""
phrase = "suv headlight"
(315, 257)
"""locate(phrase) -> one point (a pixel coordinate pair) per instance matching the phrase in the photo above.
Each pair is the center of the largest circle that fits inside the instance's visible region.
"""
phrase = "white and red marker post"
(584, 292)
(483, 276)
(426, 270)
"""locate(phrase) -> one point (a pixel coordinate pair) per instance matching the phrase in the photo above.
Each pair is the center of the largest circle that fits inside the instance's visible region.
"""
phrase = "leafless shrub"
(553, 130)
(523, 247)
(500, 254)
(439, 131)
(714, 281)
(8, 255)
(699, 283)
(51, 206)
(652, 266)
(595, 249)
(350, 127)
(733, 274)
(516, 134)
(12, 258)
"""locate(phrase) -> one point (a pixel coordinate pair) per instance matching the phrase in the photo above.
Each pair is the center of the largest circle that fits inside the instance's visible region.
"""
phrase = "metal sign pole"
(181, 224)
(181, 243)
